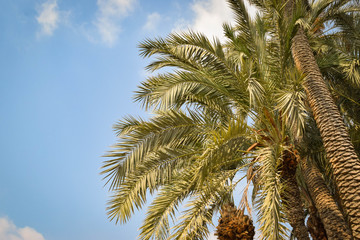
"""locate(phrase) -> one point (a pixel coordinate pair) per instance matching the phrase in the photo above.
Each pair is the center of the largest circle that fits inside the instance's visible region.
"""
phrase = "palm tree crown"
(227, 111)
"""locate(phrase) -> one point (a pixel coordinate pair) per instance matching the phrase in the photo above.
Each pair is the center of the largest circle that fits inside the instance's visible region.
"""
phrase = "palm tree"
(329, 212)
(283, 34)
(343, 72)
(190, 156)
(316, 182)
(170, 157)
(226, 85)
(337, 142)
(195, 154)
(339, 149)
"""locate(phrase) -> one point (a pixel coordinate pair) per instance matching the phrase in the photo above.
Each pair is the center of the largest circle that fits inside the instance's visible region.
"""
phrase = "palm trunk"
(295, 209)
(330, 214)
(291, 196)
(315, 226)
(339, 149)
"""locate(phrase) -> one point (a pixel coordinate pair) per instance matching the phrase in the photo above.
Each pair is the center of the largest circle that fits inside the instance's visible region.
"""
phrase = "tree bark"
(291, 196)
(339, 149)
(330, 214)
(315, 226)
(295, 210)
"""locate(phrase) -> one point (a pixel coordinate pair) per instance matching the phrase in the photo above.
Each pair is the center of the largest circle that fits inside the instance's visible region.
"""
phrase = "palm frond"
(270, 216)
(156, 224)
(203, 205)
(167, 130)
(172, 90)
(291, 104)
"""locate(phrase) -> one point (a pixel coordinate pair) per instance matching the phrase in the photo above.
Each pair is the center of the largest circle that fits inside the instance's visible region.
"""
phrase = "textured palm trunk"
(295, 210)
(330, 214)
(291, 196)
(339, 149)
(315, 226)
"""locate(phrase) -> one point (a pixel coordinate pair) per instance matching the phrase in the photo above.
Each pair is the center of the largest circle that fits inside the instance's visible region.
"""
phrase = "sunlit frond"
(164, 206)
(270, 216)
(203, 205)
(291, 104)
(140, 139)
(172, 90)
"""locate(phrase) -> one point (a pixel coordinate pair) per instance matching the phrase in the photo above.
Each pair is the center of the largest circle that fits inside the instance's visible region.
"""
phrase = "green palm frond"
(141, 142)
(351, 69)
(188, 51)
(163, 145)
(270, 210)
(204, 204)
(256, 92)
(172, 90)
(151, 174)
(243, 25)
(215, 159)
(156, 224)
(291, 104)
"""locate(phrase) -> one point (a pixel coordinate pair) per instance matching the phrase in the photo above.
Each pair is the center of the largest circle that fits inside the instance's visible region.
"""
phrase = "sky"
(68, 70)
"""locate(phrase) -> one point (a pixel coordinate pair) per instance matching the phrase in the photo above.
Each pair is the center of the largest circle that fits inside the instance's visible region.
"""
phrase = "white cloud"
(109, 14)
(209, 17)
(49, 17)
(152, 21)
(8, 231)
(181, 24)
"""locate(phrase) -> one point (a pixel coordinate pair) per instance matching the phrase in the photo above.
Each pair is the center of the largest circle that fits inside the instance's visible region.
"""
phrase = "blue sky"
(68, 72)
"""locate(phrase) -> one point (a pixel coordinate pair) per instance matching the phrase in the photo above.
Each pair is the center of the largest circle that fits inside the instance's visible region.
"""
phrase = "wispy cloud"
(9, 231)
(49, 16)
(209, 17)
(152, 21)
(108, 17)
